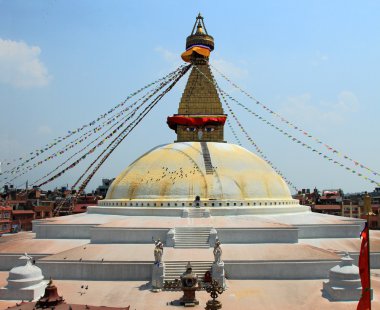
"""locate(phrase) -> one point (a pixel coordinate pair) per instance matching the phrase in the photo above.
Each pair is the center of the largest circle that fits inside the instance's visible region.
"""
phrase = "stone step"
(206, 158)
(188, 231)
(192, 246)
(184, 263)
(173, 270)
(178, 241)
(196, 240)
(192, 233)
(193, 229)
(169, 270)
(192, 237)
(191, 242)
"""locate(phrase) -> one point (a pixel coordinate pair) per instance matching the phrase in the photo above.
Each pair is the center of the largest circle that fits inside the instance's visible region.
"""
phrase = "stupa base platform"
(246, 261)
(350, 245)
(119, 248)
(37, 248)
(147, 223)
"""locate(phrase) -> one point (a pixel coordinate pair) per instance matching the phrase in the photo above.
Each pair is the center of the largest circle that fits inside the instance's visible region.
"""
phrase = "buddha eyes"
(209, 129)
(192, 129)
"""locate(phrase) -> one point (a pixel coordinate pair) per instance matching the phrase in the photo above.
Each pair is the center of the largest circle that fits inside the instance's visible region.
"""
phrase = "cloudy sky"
(316, 63)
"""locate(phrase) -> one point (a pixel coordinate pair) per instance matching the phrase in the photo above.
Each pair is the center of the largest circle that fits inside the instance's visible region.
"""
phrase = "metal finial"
(199, 23)
(214, 290)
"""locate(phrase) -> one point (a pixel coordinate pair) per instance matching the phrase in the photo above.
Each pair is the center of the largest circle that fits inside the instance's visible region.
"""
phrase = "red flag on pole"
(364, 270)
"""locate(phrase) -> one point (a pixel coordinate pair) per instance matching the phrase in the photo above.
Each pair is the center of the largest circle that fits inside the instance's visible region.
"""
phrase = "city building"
(22, 220)
(102, 189)
(5, 220)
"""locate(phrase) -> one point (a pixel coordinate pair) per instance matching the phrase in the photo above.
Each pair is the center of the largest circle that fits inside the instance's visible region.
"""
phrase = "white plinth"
(218, 273)
(158, 274)
(30, 293)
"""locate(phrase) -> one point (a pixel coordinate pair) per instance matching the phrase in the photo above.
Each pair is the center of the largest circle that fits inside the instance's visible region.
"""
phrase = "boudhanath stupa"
(188, 194)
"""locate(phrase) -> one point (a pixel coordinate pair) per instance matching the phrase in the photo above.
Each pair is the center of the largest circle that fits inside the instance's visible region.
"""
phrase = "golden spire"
(200, 114)
(199, 29)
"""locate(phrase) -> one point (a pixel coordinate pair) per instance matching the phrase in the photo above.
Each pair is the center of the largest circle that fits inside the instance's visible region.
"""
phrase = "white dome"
(213, 171)
(25, 276)
(25, 272)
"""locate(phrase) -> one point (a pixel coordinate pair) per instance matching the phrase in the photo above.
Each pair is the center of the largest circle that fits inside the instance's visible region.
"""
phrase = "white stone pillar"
(170, 238)
(158, 275)
(213, 236)
(185, 213)
(217, 273)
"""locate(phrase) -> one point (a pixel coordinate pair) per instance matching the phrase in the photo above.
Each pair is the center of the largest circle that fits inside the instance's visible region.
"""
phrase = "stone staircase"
(192, 237)
(207, 158)
(173, 270)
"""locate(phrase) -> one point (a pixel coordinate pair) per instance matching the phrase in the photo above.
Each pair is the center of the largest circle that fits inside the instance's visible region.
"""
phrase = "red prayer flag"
(365, 300)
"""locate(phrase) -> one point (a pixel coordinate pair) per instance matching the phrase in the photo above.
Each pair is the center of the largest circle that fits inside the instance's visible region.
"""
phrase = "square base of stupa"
(26, 294)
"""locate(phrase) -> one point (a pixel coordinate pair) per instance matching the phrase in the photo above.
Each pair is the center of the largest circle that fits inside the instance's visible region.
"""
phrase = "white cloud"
(304, 108)
(319, 58)
(44, 130)
(347, 101)
(173, 58)
(229, 69)
(20, 65)
(167, 55)
(9, 147)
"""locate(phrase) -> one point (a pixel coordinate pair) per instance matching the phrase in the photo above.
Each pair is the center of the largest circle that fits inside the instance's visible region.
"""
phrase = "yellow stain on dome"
(177, 172)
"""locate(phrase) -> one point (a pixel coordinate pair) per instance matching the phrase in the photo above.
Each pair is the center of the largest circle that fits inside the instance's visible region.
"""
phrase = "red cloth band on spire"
(173, 121)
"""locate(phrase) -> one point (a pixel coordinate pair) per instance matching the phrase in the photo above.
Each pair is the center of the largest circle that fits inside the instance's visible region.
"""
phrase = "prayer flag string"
(124, 119)
(76, 162)
(122, 135)
(291, 137)
(292, 125)
(32, 155)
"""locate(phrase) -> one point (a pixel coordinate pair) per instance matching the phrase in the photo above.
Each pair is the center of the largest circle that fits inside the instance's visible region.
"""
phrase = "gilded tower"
(200, 114)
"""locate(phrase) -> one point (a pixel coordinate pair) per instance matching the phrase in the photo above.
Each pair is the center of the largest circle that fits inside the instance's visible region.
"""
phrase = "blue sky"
(62, 63)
